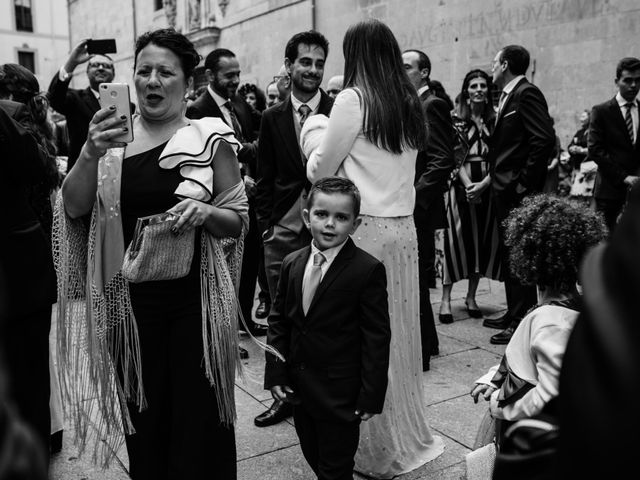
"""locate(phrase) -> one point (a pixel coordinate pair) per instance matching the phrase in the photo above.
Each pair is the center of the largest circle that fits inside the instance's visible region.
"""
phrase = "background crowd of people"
(362, 174)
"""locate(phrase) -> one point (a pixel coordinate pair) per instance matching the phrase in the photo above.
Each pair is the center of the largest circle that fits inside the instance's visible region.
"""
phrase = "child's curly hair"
(547, 238)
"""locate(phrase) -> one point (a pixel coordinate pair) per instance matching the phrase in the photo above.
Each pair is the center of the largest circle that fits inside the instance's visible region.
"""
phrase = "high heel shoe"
(473, 313)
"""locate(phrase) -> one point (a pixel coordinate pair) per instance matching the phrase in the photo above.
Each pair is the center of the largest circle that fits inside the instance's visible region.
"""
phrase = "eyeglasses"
(277, 78)
(106, 66)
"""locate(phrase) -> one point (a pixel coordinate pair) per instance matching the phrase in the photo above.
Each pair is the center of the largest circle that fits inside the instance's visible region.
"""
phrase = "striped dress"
(471, 241)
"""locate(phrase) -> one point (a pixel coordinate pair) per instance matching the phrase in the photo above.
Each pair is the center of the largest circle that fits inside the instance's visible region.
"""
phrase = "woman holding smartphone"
(154, 335)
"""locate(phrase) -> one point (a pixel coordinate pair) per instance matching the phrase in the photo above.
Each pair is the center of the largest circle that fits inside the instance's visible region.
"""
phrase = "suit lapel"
(507, 100)
(90, 99)
(342, 261)
(618, 118)
(326, 103)
(297, 274)
(284, 121)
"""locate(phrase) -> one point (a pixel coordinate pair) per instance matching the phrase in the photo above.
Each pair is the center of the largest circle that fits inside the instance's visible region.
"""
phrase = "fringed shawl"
(97, 331)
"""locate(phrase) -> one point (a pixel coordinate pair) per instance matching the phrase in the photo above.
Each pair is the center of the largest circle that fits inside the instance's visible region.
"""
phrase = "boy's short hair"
(329, 185)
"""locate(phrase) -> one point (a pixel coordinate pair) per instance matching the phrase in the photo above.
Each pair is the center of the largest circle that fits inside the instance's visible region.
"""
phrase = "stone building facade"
(35, 34)
(575, 44)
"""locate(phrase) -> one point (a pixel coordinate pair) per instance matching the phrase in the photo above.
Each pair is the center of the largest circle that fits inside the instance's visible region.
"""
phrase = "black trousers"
(26, 355)
(426, 259)
(610, 209)
(179, 435)
(520, 298)
(328, 446)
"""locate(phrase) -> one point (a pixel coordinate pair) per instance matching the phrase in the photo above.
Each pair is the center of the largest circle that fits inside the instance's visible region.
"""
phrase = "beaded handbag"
(157, 254)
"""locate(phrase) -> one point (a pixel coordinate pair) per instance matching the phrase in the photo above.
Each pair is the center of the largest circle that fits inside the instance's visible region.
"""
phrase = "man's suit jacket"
(337, 355)
(281, 170)
(612, 149)
(521, 144)
(206, 106)
(25, 253)
(434, 165)
(78, 107)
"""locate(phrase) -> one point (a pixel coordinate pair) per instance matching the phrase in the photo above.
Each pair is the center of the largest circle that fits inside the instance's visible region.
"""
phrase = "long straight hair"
(393, 117)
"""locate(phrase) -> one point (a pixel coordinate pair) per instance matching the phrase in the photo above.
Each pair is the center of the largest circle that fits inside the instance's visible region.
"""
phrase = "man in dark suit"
(520, 147)
(433, 167)
(29, 282)
(79, 106)
(613, 142)
(220, 100)
(330, 322)
(282, 178)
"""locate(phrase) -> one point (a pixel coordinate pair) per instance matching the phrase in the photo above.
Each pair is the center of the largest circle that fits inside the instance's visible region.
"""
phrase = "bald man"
(334, 86)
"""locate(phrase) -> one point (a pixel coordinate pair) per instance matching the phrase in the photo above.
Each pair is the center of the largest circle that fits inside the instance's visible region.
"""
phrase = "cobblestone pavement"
(273, 453)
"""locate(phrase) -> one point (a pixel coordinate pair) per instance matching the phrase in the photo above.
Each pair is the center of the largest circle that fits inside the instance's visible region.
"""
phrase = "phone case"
(118, 94)
(102, 46)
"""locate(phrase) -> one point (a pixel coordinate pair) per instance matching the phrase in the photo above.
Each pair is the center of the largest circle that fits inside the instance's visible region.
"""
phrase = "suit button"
(302, 366)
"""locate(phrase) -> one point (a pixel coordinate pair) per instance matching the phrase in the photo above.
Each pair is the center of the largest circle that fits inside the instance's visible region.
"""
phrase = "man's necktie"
(314, 281)
(629, 120)
(304, 111)
(503, 97)
(234, 121)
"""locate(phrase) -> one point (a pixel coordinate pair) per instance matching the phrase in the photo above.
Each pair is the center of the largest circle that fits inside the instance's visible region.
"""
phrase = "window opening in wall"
(27, 60)
(24, 21)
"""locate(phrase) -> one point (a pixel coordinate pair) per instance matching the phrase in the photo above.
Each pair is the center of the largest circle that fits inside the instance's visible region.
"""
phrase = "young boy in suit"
(330, 321)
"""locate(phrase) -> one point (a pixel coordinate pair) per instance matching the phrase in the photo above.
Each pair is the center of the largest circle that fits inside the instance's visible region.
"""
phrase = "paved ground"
(273, 453)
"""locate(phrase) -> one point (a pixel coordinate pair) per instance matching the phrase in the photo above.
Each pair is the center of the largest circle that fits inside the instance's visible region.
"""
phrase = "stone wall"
(574, 44)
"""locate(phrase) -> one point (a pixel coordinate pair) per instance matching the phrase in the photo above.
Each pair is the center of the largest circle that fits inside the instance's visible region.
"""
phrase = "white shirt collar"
(329, 254)
(622, 102)
(95, 93)
(423, 89)
(220, 101)
(512, 84)
(313, 103)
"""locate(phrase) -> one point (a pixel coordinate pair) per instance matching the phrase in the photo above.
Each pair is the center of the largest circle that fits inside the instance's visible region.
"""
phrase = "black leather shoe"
(244, 354)
(445, 318)
(503, 337)
(262, 311)
(257, 329)
(278, 412)
(499, 323)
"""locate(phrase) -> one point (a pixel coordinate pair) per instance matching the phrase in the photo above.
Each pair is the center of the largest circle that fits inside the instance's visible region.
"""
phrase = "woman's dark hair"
(440, 92)
(261, 98)
(393, 117)
(180, 45)
(548, 237)
(464, 109)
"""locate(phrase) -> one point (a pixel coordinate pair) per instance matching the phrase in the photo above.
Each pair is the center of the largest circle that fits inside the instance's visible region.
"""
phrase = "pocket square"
(508, 114)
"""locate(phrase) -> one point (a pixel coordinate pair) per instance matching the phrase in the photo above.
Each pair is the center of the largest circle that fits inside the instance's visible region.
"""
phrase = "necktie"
(314, 281)
(503, 96)
(304, 111)
(234, 121)
(629, 120)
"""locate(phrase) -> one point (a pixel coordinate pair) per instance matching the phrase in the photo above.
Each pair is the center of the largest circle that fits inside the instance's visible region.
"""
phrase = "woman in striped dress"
(471, 241)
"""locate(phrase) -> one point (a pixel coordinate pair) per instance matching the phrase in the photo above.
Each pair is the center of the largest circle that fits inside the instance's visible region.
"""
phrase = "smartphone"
(106, 45)
(118, 94)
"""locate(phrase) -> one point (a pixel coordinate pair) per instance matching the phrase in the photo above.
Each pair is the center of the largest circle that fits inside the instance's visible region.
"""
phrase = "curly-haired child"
(548, 236)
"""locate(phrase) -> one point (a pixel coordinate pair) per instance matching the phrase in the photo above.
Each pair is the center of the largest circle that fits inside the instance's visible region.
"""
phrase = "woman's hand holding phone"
(104, 128)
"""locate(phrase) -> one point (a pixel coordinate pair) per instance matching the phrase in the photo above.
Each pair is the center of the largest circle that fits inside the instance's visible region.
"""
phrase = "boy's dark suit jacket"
(206, 106)
(281, 171)
(521, 144)
(611, 148)
(337, 356)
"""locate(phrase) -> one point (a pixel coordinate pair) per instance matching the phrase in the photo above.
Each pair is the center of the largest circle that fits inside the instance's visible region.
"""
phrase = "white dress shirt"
(329, 254)
(622, 103)
(385, 179)
(221, 102)
(313, 104)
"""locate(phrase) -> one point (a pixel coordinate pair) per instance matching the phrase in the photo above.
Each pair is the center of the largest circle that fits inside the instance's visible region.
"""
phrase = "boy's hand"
(364, 416)
(482, 389)
(280, 392)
